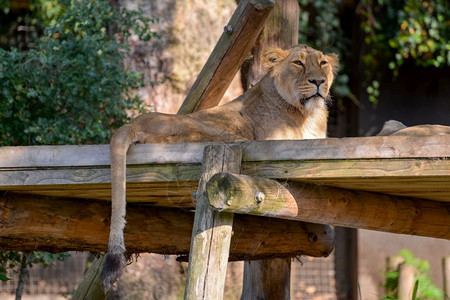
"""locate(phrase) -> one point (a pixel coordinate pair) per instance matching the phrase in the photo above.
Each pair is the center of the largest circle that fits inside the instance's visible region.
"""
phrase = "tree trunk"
(267, 279)
(23, 274)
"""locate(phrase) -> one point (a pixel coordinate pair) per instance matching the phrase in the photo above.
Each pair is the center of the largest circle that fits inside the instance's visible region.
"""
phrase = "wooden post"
(211, 233)
(228, 55)
(281, 30)
(446, 276)
(346, 263)
(405, 281)
(392, 264)
(267, 279)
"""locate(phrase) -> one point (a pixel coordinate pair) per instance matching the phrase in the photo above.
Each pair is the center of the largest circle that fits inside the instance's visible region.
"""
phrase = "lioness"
(396, 128)
(290, 102)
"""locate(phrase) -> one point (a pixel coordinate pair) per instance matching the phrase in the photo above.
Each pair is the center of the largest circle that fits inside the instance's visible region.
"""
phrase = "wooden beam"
(212, 230)
(377, 147)
(60, 224)
(228, 55)
(339, 207)
(404, 166)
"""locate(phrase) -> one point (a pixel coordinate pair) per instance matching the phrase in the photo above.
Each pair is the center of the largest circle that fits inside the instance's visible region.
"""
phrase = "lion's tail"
(115, 261)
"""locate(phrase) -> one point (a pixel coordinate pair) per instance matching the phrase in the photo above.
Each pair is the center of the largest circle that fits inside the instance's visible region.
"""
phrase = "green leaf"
(3, 277)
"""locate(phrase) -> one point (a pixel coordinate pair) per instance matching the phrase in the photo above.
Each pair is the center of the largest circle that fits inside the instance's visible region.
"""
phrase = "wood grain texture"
(212, 230)
(267, 279)
(417, 177)
(228, 55)
(89, 287)
(326, 205)
(38, 223)
(427, 178)
(191, 153)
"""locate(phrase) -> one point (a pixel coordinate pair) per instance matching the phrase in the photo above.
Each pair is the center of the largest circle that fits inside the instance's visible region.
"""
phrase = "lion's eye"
(323, 62)
(298, 62)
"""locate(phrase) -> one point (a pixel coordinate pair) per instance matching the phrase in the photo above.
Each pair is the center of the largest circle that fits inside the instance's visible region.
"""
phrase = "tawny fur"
(290, 102)
(397, 128)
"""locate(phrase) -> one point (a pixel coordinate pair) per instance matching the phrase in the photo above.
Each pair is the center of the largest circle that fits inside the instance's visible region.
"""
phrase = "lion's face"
(303, 75)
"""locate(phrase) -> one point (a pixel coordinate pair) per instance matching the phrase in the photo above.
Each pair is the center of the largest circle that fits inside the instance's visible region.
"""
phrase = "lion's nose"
(316, 82)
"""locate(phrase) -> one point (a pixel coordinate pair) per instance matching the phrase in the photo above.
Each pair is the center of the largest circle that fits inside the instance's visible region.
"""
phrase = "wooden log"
(446, 276)
(228, 55)
(267, 279)
(38, 223)
(406, 274)
(211, 234)
(334, 206)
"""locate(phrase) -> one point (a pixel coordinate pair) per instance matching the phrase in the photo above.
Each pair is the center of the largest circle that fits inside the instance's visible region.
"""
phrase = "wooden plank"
(228, 55)
(422, 178)
(61, 224)
(191, 153)
(326, 205)
(425, 178)
(211, 233)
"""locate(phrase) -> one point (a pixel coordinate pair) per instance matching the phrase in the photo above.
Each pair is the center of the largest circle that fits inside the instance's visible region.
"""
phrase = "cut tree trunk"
(39, 223)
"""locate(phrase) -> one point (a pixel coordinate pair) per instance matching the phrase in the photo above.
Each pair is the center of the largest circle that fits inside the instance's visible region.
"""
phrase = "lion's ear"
(273, 56)
(333, 60)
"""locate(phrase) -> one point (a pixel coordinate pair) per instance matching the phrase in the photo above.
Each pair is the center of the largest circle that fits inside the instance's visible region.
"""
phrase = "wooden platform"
(167, 175)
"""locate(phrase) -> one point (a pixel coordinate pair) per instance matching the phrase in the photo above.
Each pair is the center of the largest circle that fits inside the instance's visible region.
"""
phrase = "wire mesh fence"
(313, 279)
(60, 278)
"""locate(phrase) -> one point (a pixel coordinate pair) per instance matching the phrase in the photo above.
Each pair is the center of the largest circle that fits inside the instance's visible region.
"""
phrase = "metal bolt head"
(228, 29)
(260, 196)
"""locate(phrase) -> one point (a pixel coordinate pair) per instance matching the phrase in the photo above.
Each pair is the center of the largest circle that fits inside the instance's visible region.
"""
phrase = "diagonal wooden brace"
(231, 50)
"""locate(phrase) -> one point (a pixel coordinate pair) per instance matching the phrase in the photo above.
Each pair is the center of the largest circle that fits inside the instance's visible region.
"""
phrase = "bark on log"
(228, 55)
(327, 205)
(59, 224)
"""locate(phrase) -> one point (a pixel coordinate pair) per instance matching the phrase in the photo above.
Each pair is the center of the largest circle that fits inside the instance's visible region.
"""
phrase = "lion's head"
(302, 75)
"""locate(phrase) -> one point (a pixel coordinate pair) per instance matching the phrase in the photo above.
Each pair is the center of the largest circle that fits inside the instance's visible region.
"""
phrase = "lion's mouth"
(305, 99)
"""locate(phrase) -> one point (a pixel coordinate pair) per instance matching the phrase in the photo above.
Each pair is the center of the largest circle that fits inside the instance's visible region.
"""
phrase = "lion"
(397, 128)
(290, 102)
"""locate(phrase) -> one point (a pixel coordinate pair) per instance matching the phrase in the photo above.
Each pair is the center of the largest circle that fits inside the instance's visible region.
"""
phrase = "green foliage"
(320, 27)
(423, 288)
(408, 30)
(71, 88)
(12, 259)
